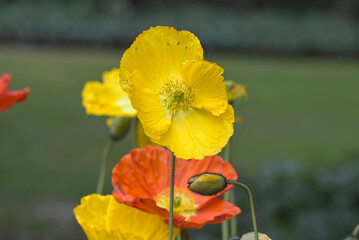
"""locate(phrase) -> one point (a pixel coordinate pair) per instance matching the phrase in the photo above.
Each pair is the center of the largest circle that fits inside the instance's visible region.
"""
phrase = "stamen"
(177, 97)
(184, 203)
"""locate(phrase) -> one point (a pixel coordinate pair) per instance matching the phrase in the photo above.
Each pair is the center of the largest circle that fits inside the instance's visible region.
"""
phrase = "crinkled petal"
(199, 134)
(158, 53)
(101, 99)
(206, 80)
(142, 173)
(138, 185)
(214, 211)
(142, 139)
(150, 111)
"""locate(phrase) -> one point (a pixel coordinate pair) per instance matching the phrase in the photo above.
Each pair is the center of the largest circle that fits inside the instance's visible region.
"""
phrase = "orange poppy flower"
(142, 179)
(7, 97)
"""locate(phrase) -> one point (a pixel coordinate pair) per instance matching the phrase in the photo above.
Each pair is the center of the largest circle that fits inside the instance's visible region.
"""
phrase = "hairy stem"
(172, 184)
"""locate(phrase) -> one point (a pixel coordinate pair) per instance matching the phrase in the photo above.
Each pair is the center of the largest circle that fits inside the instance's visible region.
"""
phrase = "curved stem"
(172, 184)
(104, 159)
(251, 201)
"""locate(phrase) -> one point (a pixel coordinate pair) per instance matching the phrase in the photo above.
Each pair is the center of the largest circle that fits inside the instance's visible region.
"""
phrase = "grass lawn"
(306, 109)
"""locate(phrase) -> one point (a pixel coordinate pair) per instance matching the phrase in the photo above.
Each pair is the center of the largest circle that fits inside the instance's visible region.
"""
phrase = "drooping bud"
(354, 235)
(251, 236)
(118, 127)
(235, 92)
(207, 183)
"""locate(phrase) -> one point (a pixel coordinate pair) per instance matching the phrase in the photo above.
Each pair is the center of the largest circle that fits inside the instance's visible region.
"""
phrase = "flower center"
(184, 203)
(176, 97)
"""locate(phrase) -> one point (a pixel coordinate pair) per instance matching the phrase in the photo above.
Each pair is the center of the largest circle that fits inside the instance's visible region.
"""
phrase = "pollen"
(177, 97)
(184, 203)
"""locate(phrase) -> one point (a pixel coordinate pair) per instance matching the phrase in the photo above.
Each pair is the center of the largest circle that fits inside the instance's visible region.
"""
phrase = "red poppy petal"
(213, 164)
(142, 174)
(4, 81)
(214, 211)
(9, 98)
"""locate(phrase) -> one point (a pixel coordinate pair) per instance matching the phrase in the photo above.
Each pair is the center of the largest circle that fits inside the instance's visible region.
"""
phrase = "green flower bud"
(118, 127)
(207, 183)
(354, 235)
(251, 236)
(350, 238)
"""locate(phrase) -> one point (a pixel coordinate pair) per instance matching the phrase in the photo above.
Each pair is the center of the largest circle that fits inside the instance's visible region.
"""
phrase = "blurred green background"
(298, 145)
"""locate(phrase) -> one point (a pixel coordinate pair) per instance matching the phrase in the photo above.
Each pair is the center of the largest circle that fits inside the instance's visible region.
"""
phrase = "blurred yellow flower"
(235, 91)
(107, 98)
(180, 98)
(103, 218)
(251, 236)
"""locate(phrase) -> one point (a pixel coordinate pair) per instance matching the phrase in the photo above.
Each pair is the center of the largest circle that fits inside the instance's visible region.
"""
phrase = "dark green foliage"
(272, 31)
(296, 201)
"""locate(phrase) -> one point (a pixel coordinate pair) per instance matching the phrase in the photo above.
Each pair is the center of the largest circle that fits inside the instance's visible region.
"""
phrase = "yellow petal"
(101, 99)
(112, 78)
(102, 217)
(158, 53)
(142, 139)
(199, 134)
(206, 80)
(150, 111)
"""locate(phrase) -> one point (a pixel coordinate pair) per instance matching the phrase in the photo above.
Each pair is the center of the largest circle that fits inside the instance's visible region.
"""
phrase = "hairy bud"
(207, 183)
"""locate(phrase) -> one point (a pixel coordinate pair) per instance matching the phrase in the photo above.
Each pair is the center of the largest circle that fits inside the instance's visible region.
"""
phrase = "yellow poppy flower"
(107, 98)
(180, 98)
(102, 217)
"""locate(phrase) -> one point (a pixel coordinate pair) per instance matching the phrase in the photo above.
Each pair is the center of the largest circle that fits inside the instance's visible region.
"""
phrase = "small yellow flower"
(107, 98)
(251, 236)
(180, 98)
(103, 218)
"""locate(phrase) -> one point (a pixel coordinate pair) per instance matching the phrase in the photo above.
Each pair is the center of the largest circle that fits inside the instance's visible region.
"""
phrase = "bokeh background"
(298, 144)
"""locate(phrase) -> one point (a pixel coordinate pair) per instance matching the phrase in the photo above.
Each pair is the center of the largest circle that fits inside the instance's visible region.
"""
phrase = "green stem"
(225, 224)
(172, 184)
(233, 220)
(251, 201)
(179, 237)
(104, 159)
(225, 230)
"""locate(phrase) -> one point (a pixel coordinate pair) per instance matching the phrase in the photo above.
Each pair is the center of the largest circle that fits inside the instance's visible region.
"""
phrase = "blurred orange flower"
(142, 179)
(7, 97)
